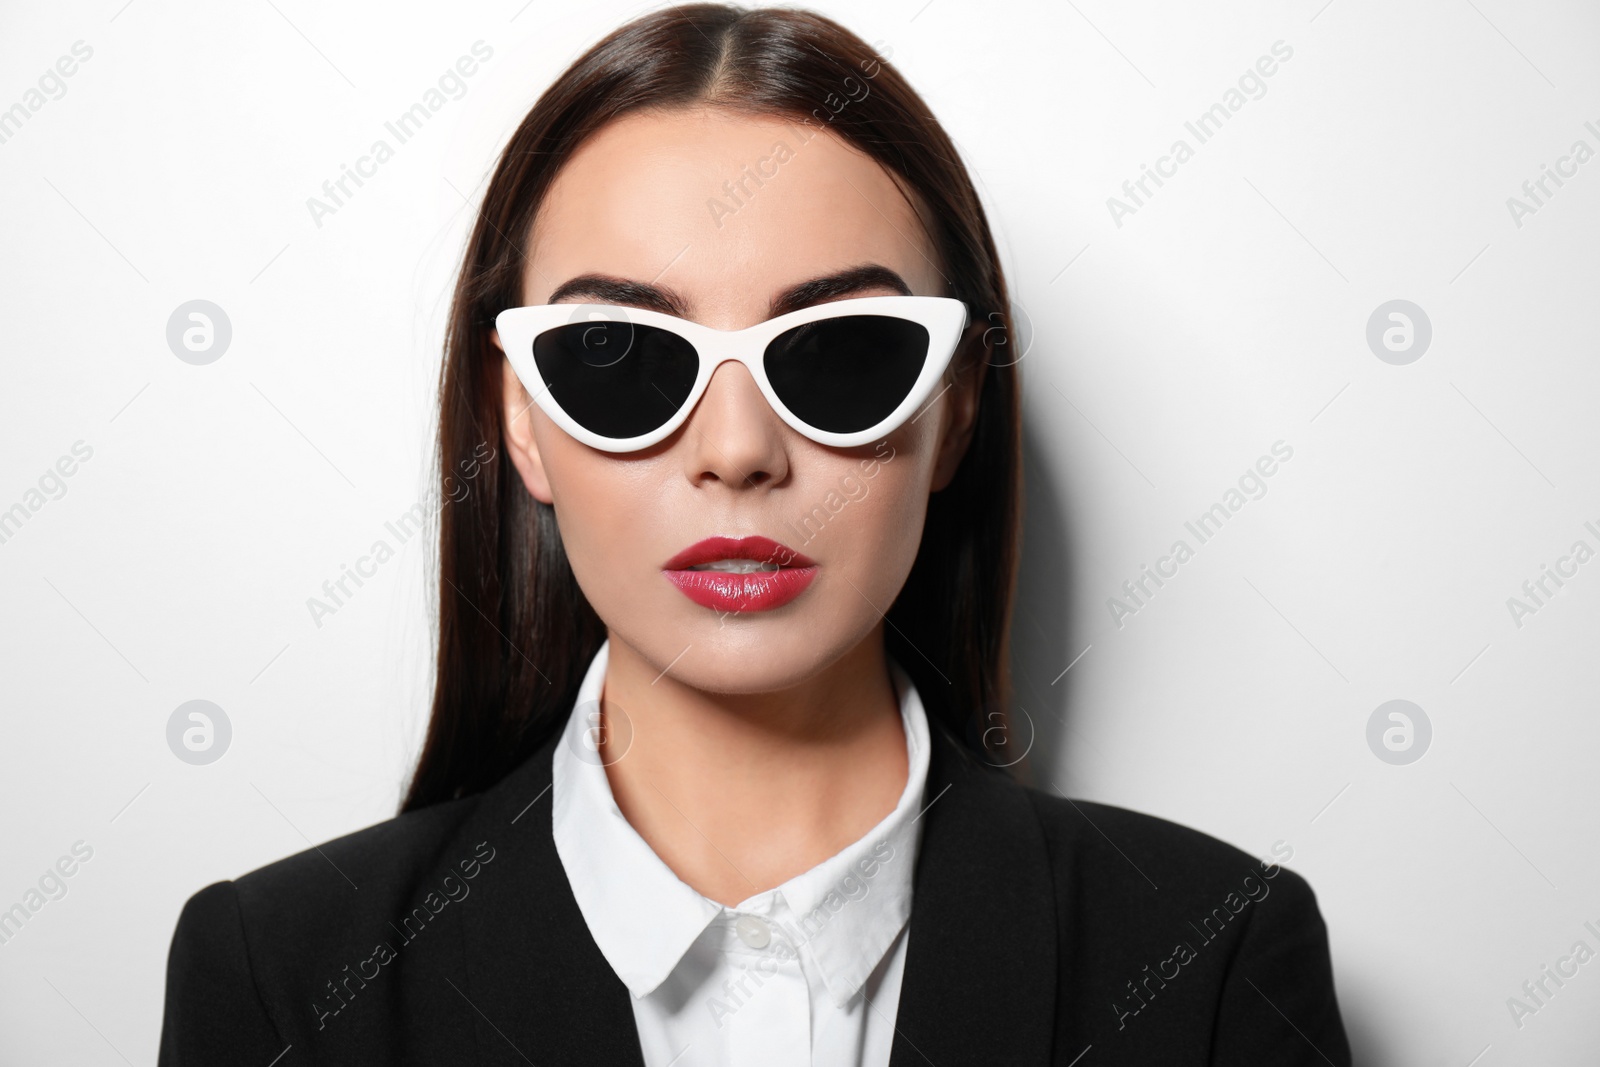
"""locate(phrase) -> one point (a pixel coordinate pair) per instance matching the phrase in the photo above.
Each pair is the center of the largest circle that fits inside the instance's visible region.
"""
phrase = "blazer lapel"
(981, 968)
(541, 990)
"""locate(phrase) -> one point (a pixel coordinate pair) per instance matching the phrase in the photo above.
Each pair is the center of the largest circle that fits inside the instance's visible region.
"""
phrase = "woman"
(713, 771)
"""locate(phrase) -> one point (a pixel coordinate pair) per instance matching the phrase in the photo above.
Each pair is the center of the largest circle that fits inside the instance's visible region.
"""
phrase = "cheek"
(901, 505)
(875, 538)
(592, 495)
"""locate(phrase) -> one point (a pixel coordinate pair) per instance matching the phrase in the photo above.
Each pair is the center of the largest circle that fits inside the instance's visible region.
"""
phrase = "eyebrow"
(606, 289)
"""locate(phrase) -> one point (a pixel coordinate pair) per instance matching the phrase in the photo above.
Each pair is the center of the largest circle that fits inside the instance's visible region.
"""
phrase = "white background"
(1168, 353)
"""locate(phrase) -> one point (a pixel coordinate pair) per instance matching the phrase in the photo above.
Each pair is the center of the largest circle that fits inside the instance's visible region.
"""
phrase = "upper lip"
(756, 547)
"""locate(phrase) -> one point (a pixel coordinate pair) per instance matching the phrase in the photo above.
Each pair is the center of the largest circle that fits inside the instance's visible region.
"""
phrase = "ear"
(518, 421)
(961, 412)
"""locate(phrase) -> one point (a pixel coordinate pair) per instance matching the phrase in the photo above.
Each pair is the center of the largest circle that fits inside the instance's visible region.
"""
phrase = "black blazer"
(1043, 931)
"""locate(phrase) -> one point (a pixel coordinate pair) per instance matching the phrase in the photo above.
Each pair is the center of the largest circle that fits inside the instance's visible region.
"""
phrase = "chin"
(747, 652)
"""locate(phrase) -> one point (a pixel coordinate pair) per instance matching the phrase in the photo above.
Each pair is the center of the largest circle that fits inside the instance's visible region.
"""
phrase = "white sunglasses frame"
(944, 318)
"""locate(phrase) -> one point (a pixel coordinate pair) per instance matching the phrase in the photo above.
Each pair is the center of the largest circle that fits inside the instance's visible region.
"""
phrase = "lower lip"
(758, 591)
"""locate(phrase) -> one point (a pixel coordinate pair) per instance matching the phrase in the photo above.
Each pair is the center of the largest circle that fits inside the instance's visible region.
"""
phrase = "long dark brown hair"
(516, 634)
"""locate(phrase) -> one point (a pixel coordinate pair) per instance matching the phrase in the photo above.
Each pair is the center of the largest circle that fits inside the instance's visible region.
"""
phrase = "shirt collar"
(846, 911)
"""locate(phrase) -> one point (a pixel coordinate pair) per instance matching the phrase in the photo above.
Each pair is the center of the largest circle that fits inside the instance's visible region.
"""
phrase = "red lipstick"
(740, 573)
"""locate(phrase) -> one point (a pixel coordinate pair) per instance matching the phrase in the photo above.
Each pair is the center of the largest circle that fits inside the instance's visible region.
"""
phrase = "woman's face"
(669, 203)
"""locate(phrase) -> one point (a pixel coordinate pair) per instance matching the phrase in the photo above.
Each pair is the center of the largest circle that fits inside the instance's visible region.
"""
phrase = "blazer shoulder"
(1068, 817)
(240, 944)
(1103, 843)
(369, 872)
(1219, 948)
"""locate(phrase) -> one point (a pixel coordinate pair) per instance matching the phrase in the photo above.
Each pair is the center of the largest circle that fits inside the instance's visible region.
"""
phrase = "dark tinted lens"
(846, 374)
(617, 379)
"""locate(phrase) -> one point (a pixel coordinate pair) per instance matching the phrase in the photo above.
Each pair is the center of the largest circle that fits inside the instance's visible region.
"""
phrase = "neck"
(739, 792)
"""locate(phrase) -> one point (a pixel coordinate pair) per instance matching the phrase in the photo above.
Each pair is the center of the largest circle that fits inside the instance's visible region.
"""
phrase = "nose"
(733, 436)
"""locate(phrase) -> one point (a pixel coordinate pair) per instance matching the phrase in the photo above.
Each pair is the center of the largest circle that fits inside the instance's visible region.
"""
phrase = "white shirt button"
(752, 931)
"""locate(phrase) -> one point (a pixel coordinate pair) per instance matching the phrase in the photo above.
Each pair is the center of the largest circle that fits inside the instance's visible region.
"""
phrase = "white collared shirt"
(803, 975)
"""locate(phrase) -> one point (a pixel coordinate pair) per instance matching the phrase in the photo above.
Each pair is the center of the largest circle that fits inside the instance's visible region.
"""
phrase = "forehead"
(726, 209)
